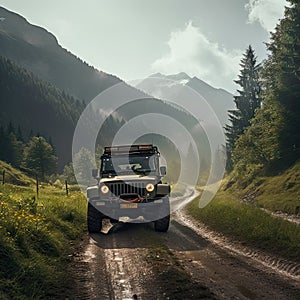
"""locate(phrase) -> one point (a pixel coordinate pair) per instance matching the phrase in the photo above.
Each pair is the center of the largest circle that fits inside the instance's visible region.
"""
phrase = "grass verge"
(249, 224)
(275, 193)
(36, 239)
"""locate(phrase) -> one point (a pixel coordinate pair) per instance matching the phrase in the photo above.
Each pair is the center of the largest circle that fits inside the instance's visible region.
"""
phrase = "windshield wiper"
(142, 171)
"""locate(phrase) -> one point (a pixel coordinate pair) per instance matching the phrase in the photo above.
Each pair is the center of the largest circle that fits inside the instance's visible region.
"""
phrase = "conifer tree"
(19, 134)
(246, 102)
(272, 142)
(11, 148)
(39, 157)
(282, 82)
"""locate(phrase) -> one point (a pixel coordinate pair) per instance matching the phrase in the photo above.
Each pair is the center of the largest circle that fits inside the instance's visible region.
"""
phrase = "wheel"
(94, 219)
(162, 225)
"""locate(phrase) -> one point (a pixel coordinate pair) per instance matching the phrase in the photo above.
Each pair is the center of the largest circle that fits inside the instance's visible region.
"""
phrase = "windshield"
(129, 165)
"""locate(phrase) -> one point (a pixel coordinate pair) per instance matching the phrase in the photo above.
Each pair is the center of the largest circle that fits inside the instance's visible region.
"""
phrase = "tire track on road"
(228, 272)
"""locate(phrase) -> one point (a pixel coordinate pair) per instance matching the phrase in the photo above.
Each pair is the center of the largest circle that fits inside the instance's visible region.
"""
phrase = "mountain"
(176, 87)
(180, 77)
(38, 51)
(41, 82)
(38, 107)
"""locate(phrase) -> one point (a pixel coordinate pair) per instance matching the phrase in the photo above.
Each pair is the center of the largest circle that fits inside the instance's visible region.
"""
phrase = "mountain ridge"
(172, 87)
(37, 50)
(7, 14)
(70, 76)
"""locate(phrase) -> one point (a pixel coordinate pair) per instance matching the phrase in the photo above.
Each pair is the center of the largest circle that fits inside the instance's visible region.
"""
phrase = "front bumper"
(153, 209)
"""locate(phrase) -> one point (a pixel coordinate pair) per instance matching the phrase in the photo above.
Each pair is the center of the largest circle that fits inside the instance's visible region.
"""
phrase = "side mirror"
(95, 173)
(163, 171)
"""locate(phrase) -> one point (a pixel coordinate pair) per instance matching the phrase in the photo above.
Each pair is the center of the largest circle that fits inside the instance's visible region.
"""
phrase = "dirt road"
(188, 262)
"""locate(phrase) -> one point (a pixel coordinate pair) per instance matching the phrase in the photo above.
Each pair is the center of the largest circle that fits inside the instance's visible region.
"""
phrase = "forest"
(263, 133)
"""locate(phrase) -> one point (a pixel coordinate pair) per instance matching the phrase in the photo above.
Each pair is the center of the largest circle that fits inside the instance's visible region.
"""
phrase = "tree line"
(263, 136)
(36, 156)
(38, 106)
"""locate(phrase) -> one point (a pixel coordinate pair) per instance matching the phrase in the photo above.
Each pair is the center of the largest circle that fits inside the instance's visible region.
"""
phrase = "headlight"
(104, 189)
(150, 187)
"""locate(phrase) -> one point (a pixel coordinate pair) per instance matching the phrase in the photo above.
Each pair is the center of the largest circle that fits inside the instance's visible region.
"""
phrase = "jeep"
(129, 186)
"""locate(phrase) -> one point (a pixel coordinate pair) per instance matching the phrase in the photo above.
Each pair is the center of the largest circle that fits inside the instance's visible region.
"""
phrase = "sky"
(133, 39)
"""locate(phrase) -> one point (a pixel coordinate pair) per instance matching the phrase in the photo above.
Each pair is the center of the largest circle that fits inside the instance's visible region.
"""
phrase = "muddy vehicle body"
(129, 186)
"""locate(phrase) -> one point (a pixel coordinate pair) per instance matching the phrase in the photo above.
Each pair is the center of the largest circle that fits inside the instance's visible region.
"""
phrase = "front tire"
(94, 219)
(162, 225)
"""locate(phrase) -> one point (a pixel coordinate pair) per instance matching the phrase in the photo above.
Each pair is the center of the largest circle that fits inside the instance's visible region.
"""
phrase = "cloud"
(192, 52)
(266, 12)
(106, 113)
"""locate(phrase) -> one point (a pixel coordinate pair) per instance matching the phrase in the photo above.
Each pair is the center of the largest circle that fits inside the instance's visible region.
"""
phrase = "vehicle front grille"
(119, 188)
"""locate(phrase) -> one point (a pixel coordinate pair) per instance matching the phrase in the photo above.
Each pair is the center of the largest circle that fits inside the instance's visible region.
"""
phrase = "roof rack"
(130, 149)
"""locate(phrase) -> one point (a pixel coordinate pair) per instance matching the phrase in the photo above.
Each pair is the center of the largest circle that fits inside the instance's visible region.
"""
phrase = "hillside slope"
(13, 176)
(37, 106)
(37, 238)
(37, 50)
(275, 193)
(263, 214)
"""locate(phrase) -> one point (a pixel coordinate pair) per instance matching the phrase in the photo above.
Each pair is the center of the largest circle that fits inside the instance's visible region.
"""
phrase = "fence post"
(37, 186)
(67, 189)
(3, 177)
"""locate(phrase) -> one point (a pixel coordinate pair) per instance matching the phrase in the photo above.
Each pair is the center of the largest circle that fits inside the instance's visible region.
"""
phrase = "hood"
(128, 178)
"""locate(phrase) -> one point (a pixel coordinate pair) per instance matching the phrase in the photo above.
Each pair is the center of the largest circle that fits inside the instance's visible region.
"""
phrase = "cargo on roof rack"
(130, 149)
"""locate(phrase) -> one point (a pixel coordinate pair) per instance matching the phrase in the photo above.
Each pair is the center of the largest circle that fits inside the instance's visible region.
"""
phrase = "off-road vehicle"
(129, 186)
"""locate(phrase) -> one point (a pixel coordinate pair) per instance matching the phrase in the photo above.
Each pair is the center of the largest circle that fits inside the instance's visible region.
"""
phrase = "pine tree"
(68, 172)
(39, 157)
(11, 148)
(82, 166)
(246, 102)
(50, 142)
(31, 134)
(11, 128)
(19, 134)
(16, 149)
(3, 143)
(272, 142)
(282, 82)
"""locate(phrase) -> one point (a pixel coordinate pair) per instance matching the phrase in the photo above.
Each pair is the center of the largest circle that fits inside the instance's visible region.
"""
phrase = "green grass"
(36, 237)
(282, 192)
(14, 176)
(275, 193)
(249, 224)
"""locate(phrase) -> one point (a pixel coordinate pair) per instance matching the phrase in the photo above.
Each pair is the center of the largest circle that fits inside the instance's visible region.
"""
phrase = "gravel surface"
(191, 260)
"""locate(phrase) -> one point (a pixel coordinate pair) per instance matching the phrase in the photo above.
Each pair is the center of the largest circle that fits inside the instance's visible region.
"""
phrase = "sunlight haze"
(133, 39)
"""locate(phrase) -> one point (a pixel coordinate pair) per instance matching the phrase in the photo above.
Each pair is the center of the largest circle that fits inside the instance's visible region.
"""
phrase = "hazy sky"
(135, 38)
